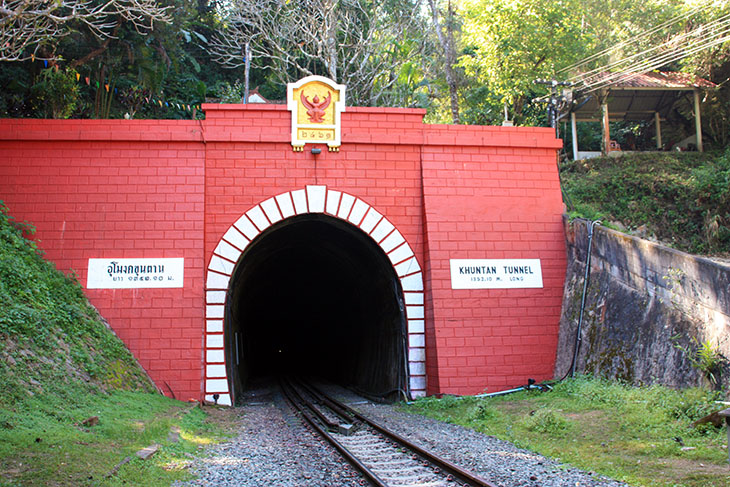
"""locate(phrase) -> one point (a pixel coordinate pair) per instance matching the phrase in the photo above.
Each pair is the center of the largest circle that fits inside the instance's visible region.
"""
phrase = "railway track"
(383, 457)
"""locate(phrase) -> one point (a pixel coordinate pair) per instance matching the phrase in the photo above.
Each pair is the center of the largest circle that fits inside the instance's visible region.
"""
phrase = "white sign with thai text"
(495, 273)
(135, 273)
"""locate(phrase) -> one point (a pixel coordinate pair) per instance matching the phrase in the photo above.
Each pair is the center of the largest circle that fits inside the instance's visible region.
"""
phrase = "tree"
(27, 25)
(445, 34)
(360, 43)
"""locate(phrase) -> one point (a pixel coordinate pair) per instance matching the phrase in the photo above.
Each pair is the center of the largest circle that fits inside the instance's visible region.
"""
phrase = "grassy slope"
(59, 365)
(628, 433)
(681, 198)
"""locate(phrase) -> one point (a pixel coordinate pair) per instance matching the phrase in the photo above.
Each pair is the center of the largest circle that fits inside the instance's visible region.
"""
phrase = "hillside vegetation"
(75, 403)
(681, 199)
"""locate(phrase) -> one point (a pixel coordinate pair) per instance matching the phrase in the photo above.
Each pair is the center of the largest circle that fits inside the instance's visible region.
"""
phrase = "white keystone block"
(400, 254)
(333, 202)
(316, 198)
(414, 312)
(413, 298)
(271, 210)
(285, 205)
(214, 311)
(393, 240)
(417, 368)
(246, 227)
(371, 219)
(415, 326)
(215, 297)
(223, 399)
(215, 371)
(383, 229)
(216, 385)
(256, 214)
(418, 384)
(214, 326)
(214, 341)
(300, 201)
(416, 355)
(345, 206)
(214, 356)
(416, 340)
(221, 265)
(233, 236)
(417, 393)
(224, 249)
(358, 211)
(414, 282)
(217, 281)
(407, 267)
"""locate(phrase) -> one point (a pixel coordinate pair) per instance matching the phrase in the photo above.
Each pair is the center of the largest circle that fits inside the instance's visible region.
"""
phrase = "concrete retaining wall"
(643, 300)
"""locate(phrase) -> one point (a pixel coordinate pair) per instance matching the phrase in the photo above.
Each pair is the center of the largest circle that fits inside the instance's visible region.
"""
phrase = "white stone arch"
(312, 199)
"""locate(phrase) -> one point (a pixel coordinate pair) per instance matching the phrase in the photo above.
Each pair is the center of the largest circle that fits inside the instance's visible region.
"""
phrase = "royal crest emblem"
(316, 104)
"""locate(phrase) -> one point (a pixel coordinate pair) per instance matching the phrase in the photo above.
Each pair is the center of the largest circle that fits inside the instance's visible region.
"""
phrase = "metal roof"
(656, 80)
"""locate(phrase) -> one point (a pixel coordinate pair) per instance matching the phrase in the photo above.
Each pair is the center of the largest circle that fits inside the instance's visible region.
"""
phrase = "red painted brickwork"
(172, 188)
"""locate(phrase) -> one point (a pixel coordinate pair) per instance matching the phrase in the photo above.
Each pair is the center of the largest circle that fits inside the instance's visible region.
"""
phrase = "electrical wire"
(636, 38)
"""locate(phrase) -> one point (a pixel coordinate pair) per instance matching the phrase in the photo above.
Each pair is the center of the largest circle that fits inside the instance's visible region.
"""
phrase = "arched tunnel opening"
(315, 296)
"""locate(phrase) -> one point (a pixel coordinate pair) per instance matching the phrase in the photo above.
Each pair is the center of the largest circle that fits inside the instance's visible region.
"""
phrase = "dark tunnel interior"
(315, 296)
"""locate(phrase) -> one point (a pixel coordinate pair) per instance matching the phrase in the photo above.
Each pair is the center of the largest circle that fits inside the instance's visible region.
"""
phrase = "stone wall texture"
(644, 304)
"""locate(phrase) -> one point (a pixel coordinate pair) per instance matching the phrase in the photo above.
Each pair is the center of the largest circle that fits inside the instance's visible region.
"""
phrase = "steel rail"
(444, 464)
(371, 476)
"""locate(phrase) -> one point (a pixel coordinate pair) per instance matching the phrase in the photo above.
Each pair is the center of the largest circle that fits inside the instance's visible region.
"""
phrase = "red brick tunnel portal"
(316, 296)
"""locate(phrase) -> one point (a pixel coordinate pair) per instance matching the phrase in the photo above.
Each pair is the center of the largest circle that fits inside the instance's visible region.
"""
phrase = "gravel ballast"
(273, 448)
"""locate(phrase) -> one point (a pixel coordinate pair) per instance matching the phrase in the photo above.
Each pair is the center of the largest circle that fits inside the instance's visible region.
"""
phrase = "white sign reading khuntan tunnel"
(404, 259)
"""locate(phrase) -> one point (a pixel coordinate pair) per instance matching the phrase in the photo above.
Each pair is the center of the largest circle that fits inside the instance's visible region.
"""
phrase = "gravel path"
(274, 449)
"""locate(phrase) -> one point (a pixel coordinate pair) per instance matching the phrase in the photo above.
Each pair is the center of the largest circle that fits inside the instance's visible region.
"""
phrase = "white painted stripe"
(407, 267)
(246, 227)
(223, 399)
(215, 371)
(415, 326)
(418, 384)
(417, 393)
(383, 229)
(416, 340)
(233, 236)
(213, 341)
(271, 210)
(414, 282)
(213, 311)
(216, 385)
(258, 218)
(214, 326)
(413, 298)
(215, 297)
(217, 281)
(221, 265)
(333, 201)
(371, 219)
(285, 205)
(400, 254)
(224, 249)
(414, 312)
(345, 206)
(417, 368)
(300, 201)
(393, 240)
(417, 355)
(358, 211)
(214, 356)
(316, 198)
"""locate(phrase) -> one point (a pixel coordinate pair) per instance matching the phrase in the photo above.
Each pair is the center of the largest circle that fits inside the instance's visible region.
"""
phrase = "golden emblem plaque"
(315, 103)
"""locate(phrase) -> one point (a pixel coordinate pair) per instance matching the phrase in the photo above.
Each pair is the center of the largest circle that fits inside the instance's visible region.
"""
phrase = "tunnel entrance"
(313, 295)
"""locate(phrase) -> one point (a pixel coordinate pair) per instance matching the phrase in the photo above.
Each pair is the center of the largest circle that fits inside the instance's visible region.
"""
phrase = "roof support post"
(658, 127)
(606, 131)
(698, 120)
(574, 133)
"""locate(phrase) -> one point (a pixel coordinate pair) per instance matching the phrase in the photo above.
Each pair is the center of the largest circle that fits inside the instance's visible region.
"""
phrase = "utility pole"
(554, 101)
(246, 69)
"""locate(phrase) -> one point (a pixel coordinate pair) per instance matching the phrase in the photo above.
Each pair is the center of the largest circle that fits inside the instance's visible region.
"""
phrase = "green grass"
(42, 440)
(681, 198)
(633, 434)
